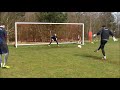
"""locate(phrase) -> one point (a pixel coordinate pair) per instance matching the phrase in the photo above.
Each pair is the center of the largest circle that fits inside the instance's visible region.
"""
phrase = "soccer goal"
(37, 33)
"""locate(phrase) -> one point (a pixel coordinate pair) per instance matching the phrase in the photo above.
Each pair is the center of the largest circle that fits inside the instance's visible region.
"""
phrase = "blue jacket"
(3, 35)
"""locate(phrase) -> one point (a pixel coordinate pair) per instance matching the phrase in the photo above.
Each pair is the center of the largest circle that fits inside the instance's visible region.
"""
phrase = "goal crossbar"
(16, 23)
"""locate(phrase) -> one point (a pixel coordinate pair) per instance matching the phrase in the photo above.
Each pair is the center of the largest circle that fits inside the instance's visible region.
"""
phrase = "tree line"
(92, 20)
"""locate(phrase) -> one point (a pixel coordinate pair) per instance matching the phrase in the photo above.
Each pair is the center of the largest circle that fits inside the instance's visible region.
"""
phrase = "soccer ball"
(79, 46)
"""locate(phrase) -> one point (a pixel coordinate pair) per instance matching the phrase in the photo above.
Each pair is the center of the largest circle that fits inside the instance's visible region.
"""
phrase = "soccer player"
(79, 40)
(104, 33)
(3, 47)
(53, 38)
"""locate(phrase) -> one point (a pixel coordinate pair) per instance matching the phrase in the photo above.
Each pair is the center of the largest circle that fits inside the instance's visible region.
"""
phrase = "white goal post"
(18, 23)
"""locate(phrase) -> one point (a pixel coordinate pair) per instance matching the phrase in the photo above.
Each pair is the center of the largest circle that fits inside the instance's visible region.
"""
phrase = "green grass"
(66, 61)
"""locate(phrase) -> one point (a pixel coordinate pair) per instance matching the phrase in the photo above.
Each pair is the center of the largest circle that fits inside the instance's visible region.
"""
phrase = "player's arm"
(56, 37)
(110, 32)
(114, 39)
(98, 33)
(5, 35)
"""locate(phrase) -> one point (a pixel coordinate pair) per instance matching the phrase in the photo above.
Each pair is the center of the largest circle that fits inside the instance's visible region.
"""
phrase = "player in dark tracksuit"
(3, 46)
(105, 33)
(53, 38)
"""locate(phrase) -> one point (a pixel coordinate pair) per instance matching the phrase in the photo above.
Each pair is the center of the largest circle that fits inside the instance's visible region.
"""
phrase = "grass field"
(66, 61)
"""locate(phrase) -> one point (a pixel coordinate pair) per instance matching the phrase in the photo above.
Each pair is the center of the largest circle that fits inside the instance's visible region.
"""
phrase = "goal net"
(36, 33)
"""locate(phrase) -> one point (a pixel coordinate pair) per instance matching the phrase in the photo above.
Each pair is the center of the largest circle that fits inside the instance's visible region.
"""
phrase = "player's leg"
(50, 42)
(6, 54)
(102, 48)
(5, 61)
(99, 47)
(1, 64)
(57, 42)
(5, 58)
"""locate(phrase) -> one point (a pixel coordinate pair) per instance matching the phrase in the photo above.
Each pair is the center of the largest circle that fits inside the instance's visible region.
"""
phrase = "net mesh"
(33, 33)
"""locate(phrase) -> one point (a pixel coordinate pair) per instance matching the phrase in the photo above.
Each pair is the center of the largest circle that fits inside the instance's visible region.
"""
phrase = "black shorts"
(54, 39)
(3, 48)
(103, 42)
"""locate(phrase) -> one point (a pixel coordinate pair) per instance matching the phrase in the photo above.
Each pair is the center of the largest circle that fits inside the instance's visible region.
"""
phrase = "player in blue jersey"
(3, 47)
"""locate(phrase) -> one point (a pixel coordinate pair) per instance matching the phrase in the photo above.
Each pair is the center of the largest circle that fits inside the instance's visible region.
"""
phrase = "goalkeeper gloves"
(114, 39)
(94, 35)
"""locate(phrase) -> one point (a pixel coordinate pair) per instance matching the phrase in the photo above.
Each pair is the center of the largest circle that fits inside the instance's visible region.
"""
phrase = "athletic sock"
(104, 57)
(1, 64)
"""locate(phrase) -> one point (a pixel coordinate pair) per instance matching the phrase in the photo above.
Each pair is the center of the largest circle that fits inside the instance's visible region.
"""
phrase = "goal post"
(41, 23)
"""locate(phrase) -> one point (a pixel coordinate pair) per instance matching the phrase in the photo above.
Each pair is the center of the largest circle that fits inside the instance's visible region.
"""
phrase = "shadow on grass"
(88, 56)
(60, 46)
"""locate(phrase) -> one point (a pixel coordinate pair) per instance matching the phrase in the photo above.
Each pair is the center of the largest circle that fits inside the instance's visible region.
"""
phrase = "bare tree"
(9, 18)
(117, 21)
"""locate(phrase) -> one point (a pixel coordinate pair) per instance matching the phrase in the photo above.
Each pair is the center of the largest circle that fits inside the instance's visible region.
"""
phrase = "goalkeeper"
(53, 38)
(104, 33)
